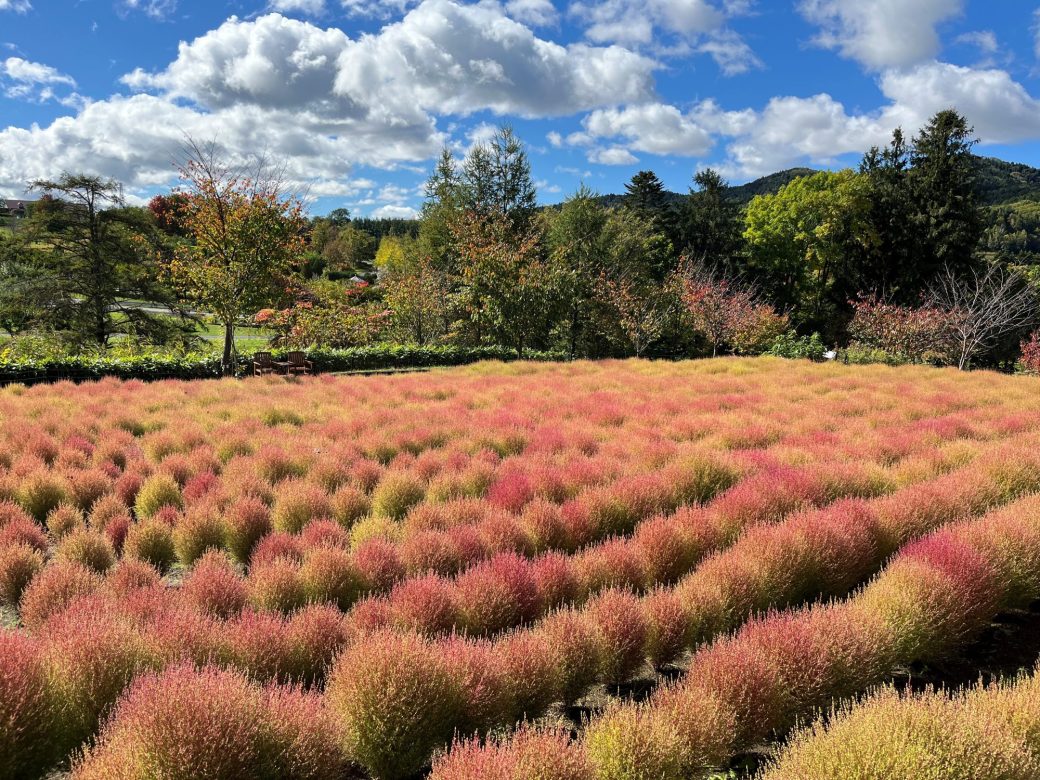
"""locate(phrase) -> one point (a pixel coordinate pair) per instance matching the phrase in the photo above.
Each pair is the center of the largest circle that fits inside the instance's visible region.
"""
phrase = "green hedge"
(375, 358)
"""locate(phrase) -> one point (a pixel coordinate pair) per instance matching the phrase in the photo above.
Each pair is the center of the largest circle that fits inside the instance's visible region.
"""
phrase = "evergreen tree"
(891, 266)
(645, 195)
(577, 246)
(444, 199)
(709, 226)
(99, 255)
(948, 218)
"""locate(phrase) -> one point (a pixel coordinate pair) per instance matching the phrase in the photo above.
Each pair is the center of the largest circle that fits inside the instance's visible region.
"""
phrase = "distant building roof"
(15, 206)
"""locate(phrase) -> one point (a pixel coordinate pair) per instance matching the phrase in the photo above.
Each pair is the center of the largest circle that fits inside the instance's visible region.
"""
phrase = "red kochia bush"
(378, 564)
(185, 724)
(28, 709)
(245, 523)
(619, 617)
(531, 677)
(498, 594)
(89, 547)
(577, 649)
(53, 589)
(19, 563)
(130, 575)
(425, 604)
(197, 532)
(538, 754)
(215, 586)
(150, 541)
(93, 653)
(296, 503)
(277, 586)
(328, 575)
(274, 546)
(324, 533)
(22, 530)
(396, 701)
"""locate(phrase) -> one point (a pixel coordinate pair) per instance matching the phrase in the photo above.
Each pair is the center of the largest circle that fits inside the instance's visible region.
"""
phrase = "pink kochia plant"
(186, 723)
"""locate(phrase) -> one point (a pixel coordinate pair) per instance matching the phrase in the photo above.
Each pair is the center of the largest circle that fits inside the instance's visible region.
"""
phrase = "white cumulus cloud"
(323, 102)
(880, 33)
(306, 7)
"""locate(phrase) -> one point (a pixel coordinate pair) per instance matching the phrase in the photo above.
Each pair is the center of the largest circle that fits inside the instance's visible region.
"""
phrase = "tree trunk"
(227, 360)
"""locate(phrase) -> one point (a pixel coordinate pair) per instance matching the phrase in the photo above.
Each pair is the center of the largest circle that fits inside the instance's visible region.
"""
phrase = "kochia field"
(604, 570)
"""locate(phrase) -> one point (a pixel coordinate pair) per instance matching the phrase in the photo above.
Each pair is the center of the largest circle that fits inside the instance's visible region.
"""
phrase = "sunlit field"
(589, 570)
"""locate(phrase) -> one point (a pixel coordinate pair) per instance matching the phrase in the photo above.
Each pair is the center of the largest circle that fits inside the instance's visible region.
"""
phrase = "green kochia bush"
(396, 701)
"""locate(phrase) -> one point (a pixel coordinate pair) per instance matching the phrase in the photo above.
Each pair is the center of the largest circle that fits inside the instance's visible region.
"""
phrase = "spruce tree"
(709, 226)
(948, 218)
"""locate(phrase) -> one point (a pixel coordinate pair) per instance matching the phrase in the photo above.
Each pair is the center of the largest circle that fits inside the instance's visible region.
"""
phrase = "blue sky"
(357, 98)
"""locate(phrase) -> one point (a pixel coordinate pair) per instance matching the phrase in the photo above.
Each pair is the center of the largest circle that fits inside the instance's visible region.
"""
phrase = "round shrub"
(349, 504)
(88, 547)
(92, 653)
(28, 709)
(182, 724)
(378, 565)
(619, 617)
(576, 645)
(426, 604)
(88, 486)
(630, 741)
(531, 675)
(324, 533)
(19, 563)
(275, 545)
(63, 519)
(396, 493)
(540, 754)
(158, 490)
(277, 586)
(10, 511)
(107, 510)
(196, 533)
(396, 702)
(328, 575)
(41, 491)
(23, 530)
(498, 594)
(215, 586)
(296, 503)
(316, 634)
(130, 575)
(245, 523)
(151, 541)
(53, 589)
(300, 737)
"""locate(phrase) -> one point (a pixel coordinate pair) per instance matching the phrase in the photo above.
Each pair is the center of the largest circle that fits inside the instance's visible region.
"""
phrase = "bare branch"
(983, 306)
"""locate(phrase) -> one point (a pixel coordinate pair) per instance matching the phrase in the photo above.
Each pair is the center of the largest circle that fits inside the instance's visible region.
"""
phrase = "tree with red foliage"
(723, 311)
(916, 335)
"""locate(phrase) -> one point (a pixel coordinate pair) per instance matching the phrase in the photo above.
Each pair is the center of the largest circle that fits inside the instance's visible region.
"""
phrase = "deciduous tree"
(247, 236)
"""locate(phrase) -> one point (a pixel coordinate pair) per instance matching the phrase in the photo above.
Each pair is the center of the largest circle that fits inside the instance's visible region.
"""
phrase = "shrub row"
(612, 636)
(928, 601)
(380, 357)
(984, 733)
